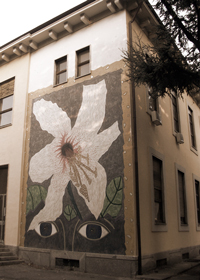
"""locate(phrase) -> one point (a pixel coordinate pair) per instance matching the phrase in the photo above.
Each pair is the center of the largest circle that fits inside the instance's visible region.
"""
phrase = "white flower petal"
(92, 111)
(51, 118)
(44, 163)
(96, 189)
(87, 175)
(102, 142)
(54, 201)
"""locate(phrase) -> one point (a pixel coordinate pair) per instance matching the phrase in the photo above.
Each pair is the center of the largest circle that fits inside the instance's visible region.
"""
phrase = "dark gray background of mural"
(68, 237)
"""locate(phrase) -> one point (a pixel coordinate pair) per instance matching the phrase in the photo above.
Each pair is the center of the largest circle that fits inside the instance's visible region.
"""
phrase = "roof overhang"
(71, 21)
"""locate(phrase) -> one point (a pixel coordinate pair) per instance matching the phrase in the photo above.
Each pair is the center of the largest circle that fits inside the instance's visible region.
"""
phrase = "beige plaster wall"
(161, 139)
(11, 143)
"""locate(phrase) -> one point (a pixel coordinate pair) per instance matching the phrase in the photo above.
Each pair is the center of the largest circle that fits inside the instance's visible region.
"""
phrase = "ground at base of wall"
(32, 272)
(90, 263)
(166, 272)
(169, 258)
(111, 265)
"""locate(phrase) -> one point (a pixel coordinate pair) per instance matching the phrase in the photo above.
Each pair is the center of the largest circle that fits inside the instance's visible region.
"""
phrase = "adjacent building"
(82, 150)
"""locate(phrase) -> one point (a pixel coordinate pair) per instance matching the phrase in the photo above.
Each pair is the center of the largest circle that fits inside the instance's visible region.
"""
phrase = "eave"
(63, 25)
(69, 22)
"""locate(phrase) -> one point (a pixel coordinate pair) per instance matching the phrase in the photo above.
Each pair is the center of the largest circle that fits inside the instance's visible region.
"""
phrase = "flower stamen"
(77, 179)
(71, 156)
(67, 150)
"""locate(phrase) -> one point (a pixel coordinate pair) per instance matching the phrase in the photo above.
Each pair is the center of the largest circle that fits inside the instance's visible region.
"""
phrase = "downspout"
(134, 126)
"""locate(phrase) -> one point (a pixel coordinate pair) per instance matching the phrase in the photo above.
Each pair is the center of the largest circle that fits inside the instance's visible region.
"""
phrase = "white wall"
(11, 143)
(106, 39)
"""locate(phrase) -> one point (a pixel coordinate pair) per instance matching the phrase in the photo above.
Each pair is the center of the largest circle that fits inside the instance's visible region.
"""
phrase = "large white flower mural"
(74, 152)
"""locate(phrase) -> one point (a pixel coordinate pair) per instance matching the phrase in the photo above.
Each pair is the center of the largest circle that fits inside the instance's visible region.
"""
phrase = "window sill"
(6, 125)
(57, 85)
(194, 150)
(183, 228)
(83, 76)
(155, 121)
(179, 140)
(198, 227)
(159, 227)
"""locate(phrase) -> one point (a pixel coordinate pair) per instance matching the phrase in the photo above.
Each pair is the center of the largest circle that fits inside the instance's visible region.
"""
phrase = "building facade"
(13, 94)
(70, 151)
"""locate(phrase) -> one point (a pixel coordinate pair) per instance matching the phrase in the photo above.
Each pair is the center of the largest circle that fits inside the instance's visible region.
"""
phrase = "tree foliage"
(172, 60)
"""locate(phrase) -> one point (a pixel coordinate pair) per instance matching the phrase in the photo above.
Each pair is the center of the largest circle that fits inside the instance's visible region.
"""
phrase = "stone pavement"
(189, 270)
(26, 272)
(192, 274)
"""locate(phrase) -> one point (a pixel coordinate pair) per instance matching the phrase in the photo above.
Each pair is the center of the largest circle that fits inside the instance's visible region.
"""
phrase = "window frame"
(56, 73)
(192, 147)
(196, 179)
(181, 227)
(175, 96)
(158, 226)
(2, 112)
(78, 52)
(157, 101)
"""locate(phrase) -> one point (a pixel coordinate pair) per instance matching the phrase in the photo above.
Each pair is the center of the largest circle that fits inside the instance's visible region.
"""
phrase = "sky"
(20, 16)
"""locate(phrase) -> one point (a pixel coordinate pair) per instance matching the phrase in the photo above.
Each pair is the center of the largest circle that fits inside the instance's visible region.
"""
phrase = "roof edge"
(68, 12)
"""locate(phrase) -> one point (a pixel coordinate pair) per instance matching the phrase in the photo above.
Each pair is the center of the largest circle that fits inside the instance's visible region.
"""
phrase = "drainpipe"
(134, 126)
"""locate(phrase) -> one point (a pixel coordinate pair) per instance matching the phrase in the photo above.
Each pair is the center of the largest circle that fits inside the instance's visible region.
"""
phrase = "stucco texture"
(79, 206)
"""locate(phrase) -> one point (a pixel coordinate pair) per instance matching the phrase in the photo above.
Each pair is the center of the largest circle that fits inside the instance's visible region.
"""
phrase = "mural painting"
(75, 186)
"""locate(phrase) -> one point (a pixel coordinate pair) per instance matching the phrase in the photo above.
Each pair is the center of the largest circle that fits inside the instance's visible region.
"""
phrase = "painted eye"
(46, 229)
(93, 231)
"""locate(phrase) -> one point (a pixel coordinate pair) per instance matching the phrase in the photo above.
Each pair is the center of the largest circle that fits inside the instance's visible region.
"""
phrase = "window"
(83, 62)
(197, 191)
(157, 181)
(196, 184)
(153, 108)
(191, 126)
(176, 123)
(158, 191)
(152, 102)
(6, 102)
(61, 70)
(182, 198)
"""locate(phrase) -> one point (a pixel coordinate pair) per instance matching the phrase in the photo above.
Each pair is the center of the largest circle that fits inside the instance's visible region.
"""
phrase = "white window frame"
(192, 148)
(149, 111)
(181, 227)
(10, 109)
(177, 134)
(178, 113)
(64, 71)
(196, 178)
(157, 226)
(77, 63)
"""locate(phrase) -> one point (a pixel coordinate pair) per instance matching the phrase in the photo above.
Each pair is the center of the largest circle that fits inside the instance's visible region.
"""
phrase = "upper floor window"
(196, 182)
(182, 198)
(175, 112)
(6, 102)
(153, 107)
(157, 181)
(61, 70)
(158, 191)
(197, 190)
(83, 62)
(191, 125)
